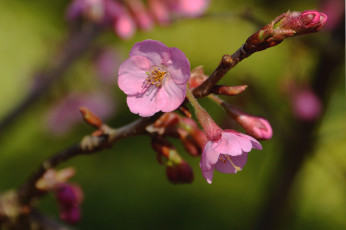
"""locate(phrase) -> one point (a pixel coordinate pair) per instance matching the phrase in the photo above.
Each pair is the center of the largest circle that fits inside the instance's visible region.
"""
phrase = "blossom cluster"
(155, 79)
(126, 16)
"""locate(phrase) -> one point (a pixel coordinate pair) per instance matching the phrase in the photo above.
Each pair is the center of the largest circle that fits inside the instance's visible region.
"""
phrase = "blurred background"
(298, 180)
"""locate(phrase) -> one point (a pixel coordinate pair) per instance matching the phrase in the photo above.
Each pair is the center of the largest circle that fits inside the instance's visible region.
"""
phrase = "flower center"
(157, 76)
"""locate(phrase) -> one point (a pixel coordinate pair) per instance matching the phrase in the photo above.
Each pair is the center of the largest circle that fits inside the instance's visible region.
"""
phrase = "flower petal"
(228, 144)
(171, 95)
(179, 66)
(132, 74)
(145, 104)
(155, 51)
(254, 142)
(208, 175)
(228, 167)
(209, 156)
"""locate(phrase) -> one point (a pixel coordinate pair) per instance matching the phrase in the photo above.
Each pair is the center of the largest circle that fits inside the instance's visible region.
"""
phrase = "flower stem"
(211, 129)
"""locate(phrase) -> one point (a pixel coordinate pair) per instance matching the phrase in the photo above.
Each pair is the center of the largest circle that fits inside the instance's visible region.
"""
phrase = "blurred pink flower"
(65, 114)
(106, 64)
(141, 14)
(160, 11)
(69, 198)
(117, 15)
(92, 9)
(306, 105)
(227, 154)
(154, 78)
(189, 8)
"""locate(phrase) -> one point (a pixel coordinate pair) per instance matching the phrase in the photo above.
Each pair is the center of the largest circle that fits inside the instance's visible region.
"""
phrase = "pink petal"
(227, 167)
(254, 142)
(240, 161)
(209, 156)
(155, 51)
(132, 74)
(228, 145)
(208, 175)
(171, 95)
(180, 66)
(124, 26)
(145, 105)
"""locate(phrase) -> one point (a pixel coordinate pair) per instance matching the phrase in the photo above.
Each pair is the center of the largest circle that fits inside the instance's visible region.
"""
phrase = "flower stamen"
(230, 161)
(157, 76)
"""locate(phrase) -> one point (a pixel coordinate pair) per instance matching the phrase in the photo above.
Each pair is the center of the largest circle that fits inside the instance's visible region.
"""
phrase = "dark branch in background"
(298, 145)
(76, 44)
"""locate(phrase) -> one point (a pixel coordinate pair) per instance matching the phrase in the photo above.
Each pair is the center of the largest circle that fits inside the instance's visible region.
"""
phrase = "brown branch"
(89, 145)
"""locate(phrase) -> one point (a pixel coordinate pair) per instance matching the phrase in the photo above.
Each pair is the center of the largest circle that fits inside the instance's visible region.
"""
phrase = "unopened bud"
(66, 195)
(197, 77)
(189, 143)
(228, 90)
(194, 131)
(286, 25)
(257, 127)
(179, 173)
(90, 118)
(70, 214)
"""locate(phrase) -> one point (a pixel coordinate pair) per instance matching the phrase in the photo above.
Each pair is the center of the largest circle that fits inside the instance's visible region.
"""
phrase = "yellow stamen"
(157, 76)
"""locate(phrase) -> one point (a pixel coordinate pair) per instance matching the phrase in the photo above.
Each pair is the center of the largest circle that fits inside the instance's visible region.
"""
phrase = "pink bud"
(70, 214)
(66, 195)
(313, 20)
(257, 127)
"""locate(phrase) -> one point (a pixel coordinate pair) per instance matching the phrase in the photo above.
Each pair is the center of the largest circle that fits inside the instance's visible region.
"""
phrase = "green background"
(125, 188)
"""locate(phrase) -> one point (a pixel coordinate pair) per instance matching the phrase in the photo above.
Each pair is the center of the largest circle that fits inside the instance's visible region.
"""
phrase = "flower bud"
(90, 118)
(255, 126)
(197, 77)
(228, 90)
(70, 214)
(286, 25)
(189, 143)
(179, 173)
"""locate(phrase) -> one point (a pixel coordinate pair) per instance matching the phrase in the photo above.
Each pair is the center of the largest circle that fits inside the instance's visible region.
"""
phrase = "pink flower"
(154, 78)
(65, 113)
(117, 15)
(189, 8)
(306, 105)
(227, 154)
